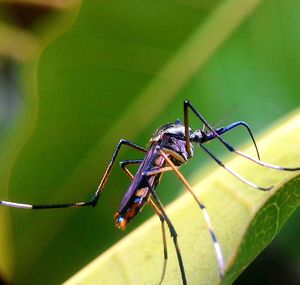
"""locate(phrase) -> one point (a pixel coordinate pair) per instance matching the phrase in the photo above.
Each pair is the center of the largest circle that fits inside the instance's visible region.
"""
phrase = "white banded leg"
(218, 251)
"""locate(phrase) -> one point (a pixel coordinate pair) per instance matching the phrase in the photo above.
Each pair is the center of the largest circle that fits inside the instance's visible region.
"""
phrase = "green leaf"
(120, 71)
(245, 221)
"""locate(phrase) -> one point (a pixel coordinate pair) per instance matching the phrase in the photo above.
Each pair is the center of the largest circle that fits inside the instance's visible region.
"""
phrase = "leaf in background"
(245, 221)
(18, 123)
(120, 71)
(11, 36)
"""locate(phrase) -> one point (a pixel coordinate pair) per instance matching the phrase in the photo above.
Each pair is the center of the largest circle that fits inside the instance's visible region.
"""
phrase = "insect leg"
(157, 211)
(161, 217)
(127, 162)
(173, 233)
(237, 124)
(233, 172)
(158, 170)
(97, 194)
(187, 129)
(218, 252)
(188, 105)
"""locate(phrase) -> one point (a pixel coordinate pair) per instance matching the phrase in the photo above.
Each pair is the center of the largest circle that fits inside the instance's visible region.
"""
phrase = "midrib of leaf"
(235, 209)
(201, 45)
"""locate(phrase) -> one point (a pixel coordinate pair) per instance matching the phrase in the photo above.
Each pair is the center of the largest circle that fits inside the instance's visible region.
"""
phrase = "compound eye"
(181, 135)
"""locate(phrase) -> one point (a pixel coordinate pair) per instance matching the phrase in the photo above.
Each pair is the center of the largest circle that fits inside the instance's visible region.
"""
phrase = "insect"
(169, 147)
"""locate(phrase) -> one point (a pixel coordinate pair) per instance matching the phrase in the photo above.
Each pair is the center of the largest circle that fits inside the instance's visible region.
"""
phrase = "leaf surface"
(245, 221)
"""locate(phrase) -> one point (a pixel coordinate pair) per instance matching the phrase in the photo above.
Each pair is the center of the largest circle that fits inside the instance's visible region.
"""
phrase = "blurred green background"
(77, 77)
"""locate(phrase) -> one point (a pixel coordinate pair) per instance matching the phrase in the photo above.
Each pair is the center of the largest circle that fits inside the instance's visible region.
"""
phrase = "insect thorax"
(172, 137)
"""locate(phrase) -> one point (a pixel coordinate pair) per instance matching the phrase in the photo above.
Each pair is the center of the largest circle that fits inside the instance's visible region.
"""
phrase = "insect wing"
(136, 182)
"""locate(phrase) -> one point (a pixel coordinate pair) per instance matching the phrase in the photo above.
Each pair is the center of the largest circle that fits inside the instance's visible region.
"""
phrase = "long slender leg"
(158, 170)
(218, 252)
(233, 172)
(124, 163)
(188, 105)
(187, 130)
(173, 233)
(154, 171)
(157, 211)
(162, 219)
(98, 192)
(221, 131)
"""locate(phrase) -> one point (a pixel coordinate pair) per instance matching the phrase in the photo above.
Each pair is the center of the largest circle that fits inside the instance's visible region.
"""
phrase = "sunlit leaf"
(245, 221)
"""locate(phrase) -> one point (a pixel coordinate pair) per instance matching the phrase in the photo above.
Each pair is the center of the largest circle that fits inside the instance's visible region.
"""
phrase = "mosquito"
(170, 147)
